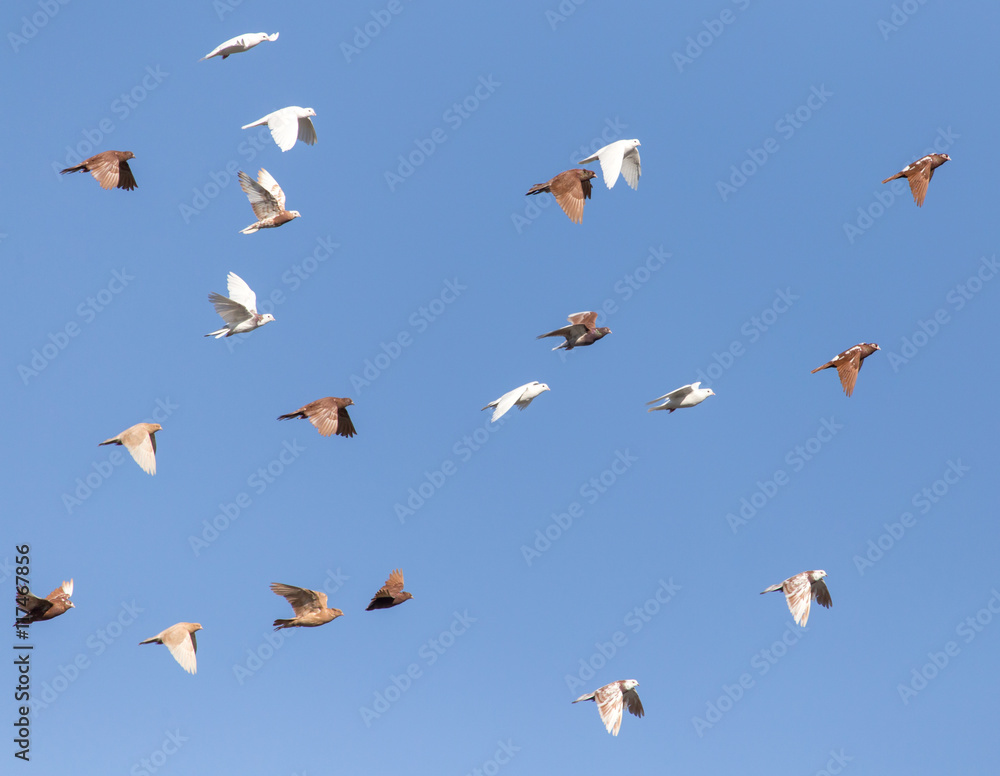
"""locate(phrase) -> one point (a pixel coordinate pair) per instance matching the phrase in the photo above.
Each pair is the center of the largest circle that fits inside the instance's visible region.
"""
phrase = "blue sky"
(583, 540)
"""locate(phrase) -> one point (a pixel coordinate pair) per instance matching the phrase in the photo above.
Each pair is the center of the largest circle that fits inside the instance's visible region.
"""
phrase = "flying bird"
(848, 364)
(328, 415)
(31, 608)
(621, 156)
(569, 188)
(799, 592)
(288, 125)
(109, 168)
(239, 44)
(685, 396)
(391, 593)
(140, 441)
(239, 310)
(267, 200)
(309, 606)
(611, 700)
(520, 396)
(919, 174)
(181, 642)
(582, 331)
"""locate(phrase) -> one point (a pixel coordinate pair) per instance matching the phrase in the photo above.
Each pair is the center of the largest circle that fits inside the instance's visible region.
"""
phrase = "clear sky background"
(576, 543)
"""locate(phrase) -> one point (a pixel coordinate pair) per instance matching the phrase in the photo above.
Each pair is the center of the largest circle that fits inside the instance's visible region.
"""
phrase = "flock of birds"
(329, 415)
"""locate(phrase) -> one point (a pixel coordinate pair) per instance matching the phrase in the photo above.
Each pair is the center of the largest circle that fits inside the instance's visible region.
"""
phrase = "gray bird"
(581, 332)
(309, 606)
(611, 700)
(799, 592)
(181, 642)
(239, 310)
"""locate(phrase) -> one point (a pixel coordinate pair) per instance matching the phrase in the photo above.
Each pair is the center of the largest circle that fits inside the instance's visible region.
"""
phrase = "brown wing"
(822, 593)
(302, 599)
(105, 168)
(919, 178)
(125, 178)
(634, 704)
(324, 414)
(31, 607)
(609, 704)
(848, 371)
(345, 427)
(569, 192)
(588, 319)
(798, 595)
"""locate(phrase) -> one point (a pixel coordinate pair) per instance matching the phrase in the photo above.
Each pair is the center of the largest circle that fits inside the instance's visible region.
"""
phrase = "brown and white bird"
(611, 700)
(31, 608)
(140, 441)
(569, 188)
(309, 606)
(109, 168)
(848, 364)
(267, 200)
(799, 592)
(328, 415)
(581, 332)
(181, 642)
(390, 594)
(919, 174)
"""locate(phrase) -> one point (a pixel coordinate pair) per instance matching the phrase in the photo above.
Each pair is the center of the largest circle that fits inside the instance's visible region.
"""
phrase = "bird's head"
(603, 330)
(586, 175)
(543, 387)
(634, 143)
(629, 684)
(294, 214)
(348, 402)
(309, 112)
(404, 596)
(336, 613)
(196, 626)
(709, 392)
(266, 318)
(815, 576)
(154, 427)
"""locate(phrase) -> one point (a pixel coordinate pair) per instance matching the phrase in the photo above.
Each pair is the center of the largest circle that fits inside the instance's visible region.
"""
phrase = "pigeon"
(919, 174)
(621, 156)
(686, 396)
(328, 415)
(309, 606)
(239, 310)
(31, 608)
(580, 333)
(239, 44)
(109, 168)
(181, 642)
(848, 364)
(288, 125)
(611, 700)
(799, 592)
(391, 594)
(267, 200)
(520, 396)
(569, 188)
(140, 441)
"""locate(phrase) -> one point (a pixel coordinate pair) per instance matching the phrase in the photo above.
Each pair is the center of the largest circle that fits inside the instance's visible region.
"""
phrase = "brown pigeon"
(582, 331)
(919, 174)
(140, 441)
(267, 200)
(181, 642)
(109, 168)
(611, 700)
(31, 608)
(309, 606)
(569, 188)
(848, 364)
(328, 415)
(799, 592)
(391, 594)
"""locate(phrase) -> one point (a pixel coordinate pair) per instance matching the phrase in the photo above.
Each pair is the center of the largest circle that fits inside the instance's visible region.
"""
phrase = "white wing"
(284, 126)
(144, 454)
(632, 168)
(611, 161)
(505, 402)
(267, 181)
(678, 393)
(184, 652)
(241, 293)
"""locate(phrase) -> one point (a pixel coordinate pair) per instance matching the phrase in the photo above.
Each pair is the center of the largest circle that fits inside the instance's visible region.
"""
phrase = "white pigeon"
(239, 44)
(611, 700)
(686, 396)
(622, 156)
(239, 311)
(799, 592)
(521, 397)
(288, 125)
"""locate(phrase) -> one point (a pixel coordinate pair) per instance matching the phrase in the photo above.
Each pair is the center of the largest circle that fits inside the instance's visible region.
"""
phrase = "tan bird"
(611, 700)
(140, 441)
(109, 168)
(569, 188)
(309, 606)
(181, 642)
(799, 592)
(391, 593)
(31, 608)
(328, 415)
(267, 200)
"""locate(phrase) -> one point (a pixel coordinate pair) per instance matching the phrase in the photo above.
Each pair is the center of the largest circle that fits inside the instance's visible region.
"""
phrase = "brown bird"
(611, 700)
(109, 168)
(569, 188)
(848, 364)
(309, 607)
(328, 415)
(36, 609)
(140, 441)
(267, 200)
(181, 642)
(799, 592)
(391, 594)
(919, 174)
(582, 331)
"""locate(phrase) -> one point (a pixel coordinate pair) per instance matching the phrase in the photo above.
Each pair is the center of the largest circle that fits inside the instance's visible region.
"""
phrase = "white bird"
(611, 700)
(799, 592)
(239, 44)
(267, 200)
(239, 311)
(621, 156)
(181, 642)
(521, 397)
(288, 125)
(686, 396)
